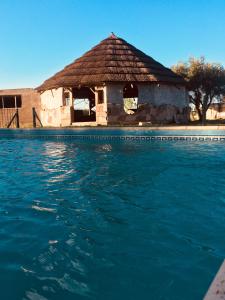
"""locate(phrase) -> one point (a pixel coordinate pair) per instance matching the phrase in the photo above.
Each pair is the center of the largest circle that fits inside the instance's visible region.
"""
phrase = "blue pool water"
(110, 220)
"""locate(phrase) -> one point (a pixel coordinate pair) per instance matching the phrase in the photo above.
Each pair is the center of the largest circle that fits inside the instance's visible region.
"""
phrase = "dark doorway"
(84, 105)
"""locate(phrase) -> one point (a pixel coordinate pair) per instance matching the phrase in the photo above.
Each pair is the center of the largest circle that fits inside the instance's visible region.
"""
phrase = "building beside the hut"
(113, 83)
(23, 100)
(216, 111)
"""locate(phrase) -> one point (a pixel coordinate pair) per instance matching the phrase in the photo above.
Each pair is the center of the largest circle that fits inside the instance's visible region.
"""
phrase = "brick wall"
(30, 98)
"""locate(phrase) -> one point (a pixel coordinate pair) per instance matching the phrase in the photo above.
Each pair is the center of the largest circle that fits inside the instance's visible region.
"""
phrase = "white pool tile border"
(146, 138)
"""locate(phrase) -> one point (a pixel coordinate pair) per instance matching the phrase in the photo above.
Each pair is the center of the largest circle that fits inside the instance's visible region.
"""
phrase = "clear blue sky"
(39, 37)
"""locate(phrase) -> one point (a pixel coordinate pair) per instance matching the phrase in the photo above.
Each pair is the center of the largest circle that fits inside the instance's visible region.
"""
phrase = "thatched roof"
(112, 60)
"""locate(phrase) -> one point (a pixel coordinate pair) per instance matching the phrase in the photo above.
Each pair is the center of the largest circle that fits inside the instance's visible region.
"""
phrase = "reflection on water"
(43, 208)
(110, 220)
(56, 162)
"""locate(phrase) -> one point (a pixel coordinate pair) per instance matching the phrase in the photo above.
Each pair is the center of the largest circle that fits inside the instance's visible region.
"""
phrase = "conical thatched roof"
(112, 60)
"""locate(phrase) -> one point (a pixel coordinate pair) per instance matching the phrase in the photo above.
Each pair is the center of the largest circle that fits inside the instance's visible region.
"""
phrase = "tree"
(205, 83)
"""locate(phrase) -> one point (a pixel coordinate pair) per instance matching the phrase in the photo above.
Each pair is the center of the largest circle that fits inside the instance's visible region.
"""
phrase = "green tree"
(205, 83)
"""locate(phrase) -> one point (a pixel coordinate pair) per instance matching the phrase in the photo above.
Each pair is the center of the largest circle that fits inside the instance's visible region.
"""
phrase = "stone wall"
(101, 114)
(53, 113)
(156, 104)
(101, 109)
(163, 114)
(160, 94)
(30, 98)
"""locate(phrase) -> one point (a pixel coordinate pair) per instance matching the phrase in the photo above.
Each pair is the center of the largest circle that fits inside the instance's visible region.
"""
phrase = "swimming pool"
(87, 219)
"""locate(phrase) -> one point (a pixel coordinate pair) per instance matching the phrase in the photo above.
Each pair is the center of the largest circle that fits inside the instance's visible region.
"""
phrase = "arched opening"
(130, 98)
(84, 104)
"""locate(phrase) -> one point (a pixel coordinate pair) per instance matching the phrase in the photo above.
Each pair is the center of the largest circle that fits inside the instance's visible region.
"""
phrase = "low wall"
(56, 117)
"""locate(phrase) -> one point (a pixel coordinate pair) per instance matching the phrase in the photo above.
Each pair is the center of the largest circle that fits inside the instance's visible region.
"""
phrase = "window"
(82, 104)
(130, 98)
(18, 101)
(100, 96)
(66, 99)
(10, 101)
(131, 103)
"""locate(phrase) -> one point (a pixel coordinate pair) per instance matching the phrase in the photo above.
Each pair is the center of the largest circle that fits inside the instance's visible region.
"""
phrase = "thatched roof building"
(112, 60)
(112, 66)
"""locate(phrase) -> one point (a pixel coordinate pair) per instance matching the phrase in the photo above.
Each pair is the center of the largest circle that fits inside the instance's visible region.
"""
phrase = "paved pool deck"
(141, 128)
(217, 288)
(169, 127)
(159, 127)
(211, 127)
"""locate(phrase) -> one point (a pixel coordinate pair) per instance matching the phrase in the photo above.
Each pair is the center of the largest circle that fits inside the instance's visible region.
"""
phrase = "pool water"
(101, 220)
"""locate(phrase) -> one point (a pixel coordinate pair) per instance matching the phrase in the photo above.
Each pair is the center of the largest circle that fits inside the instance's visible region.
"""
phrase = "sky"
(39, 37)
